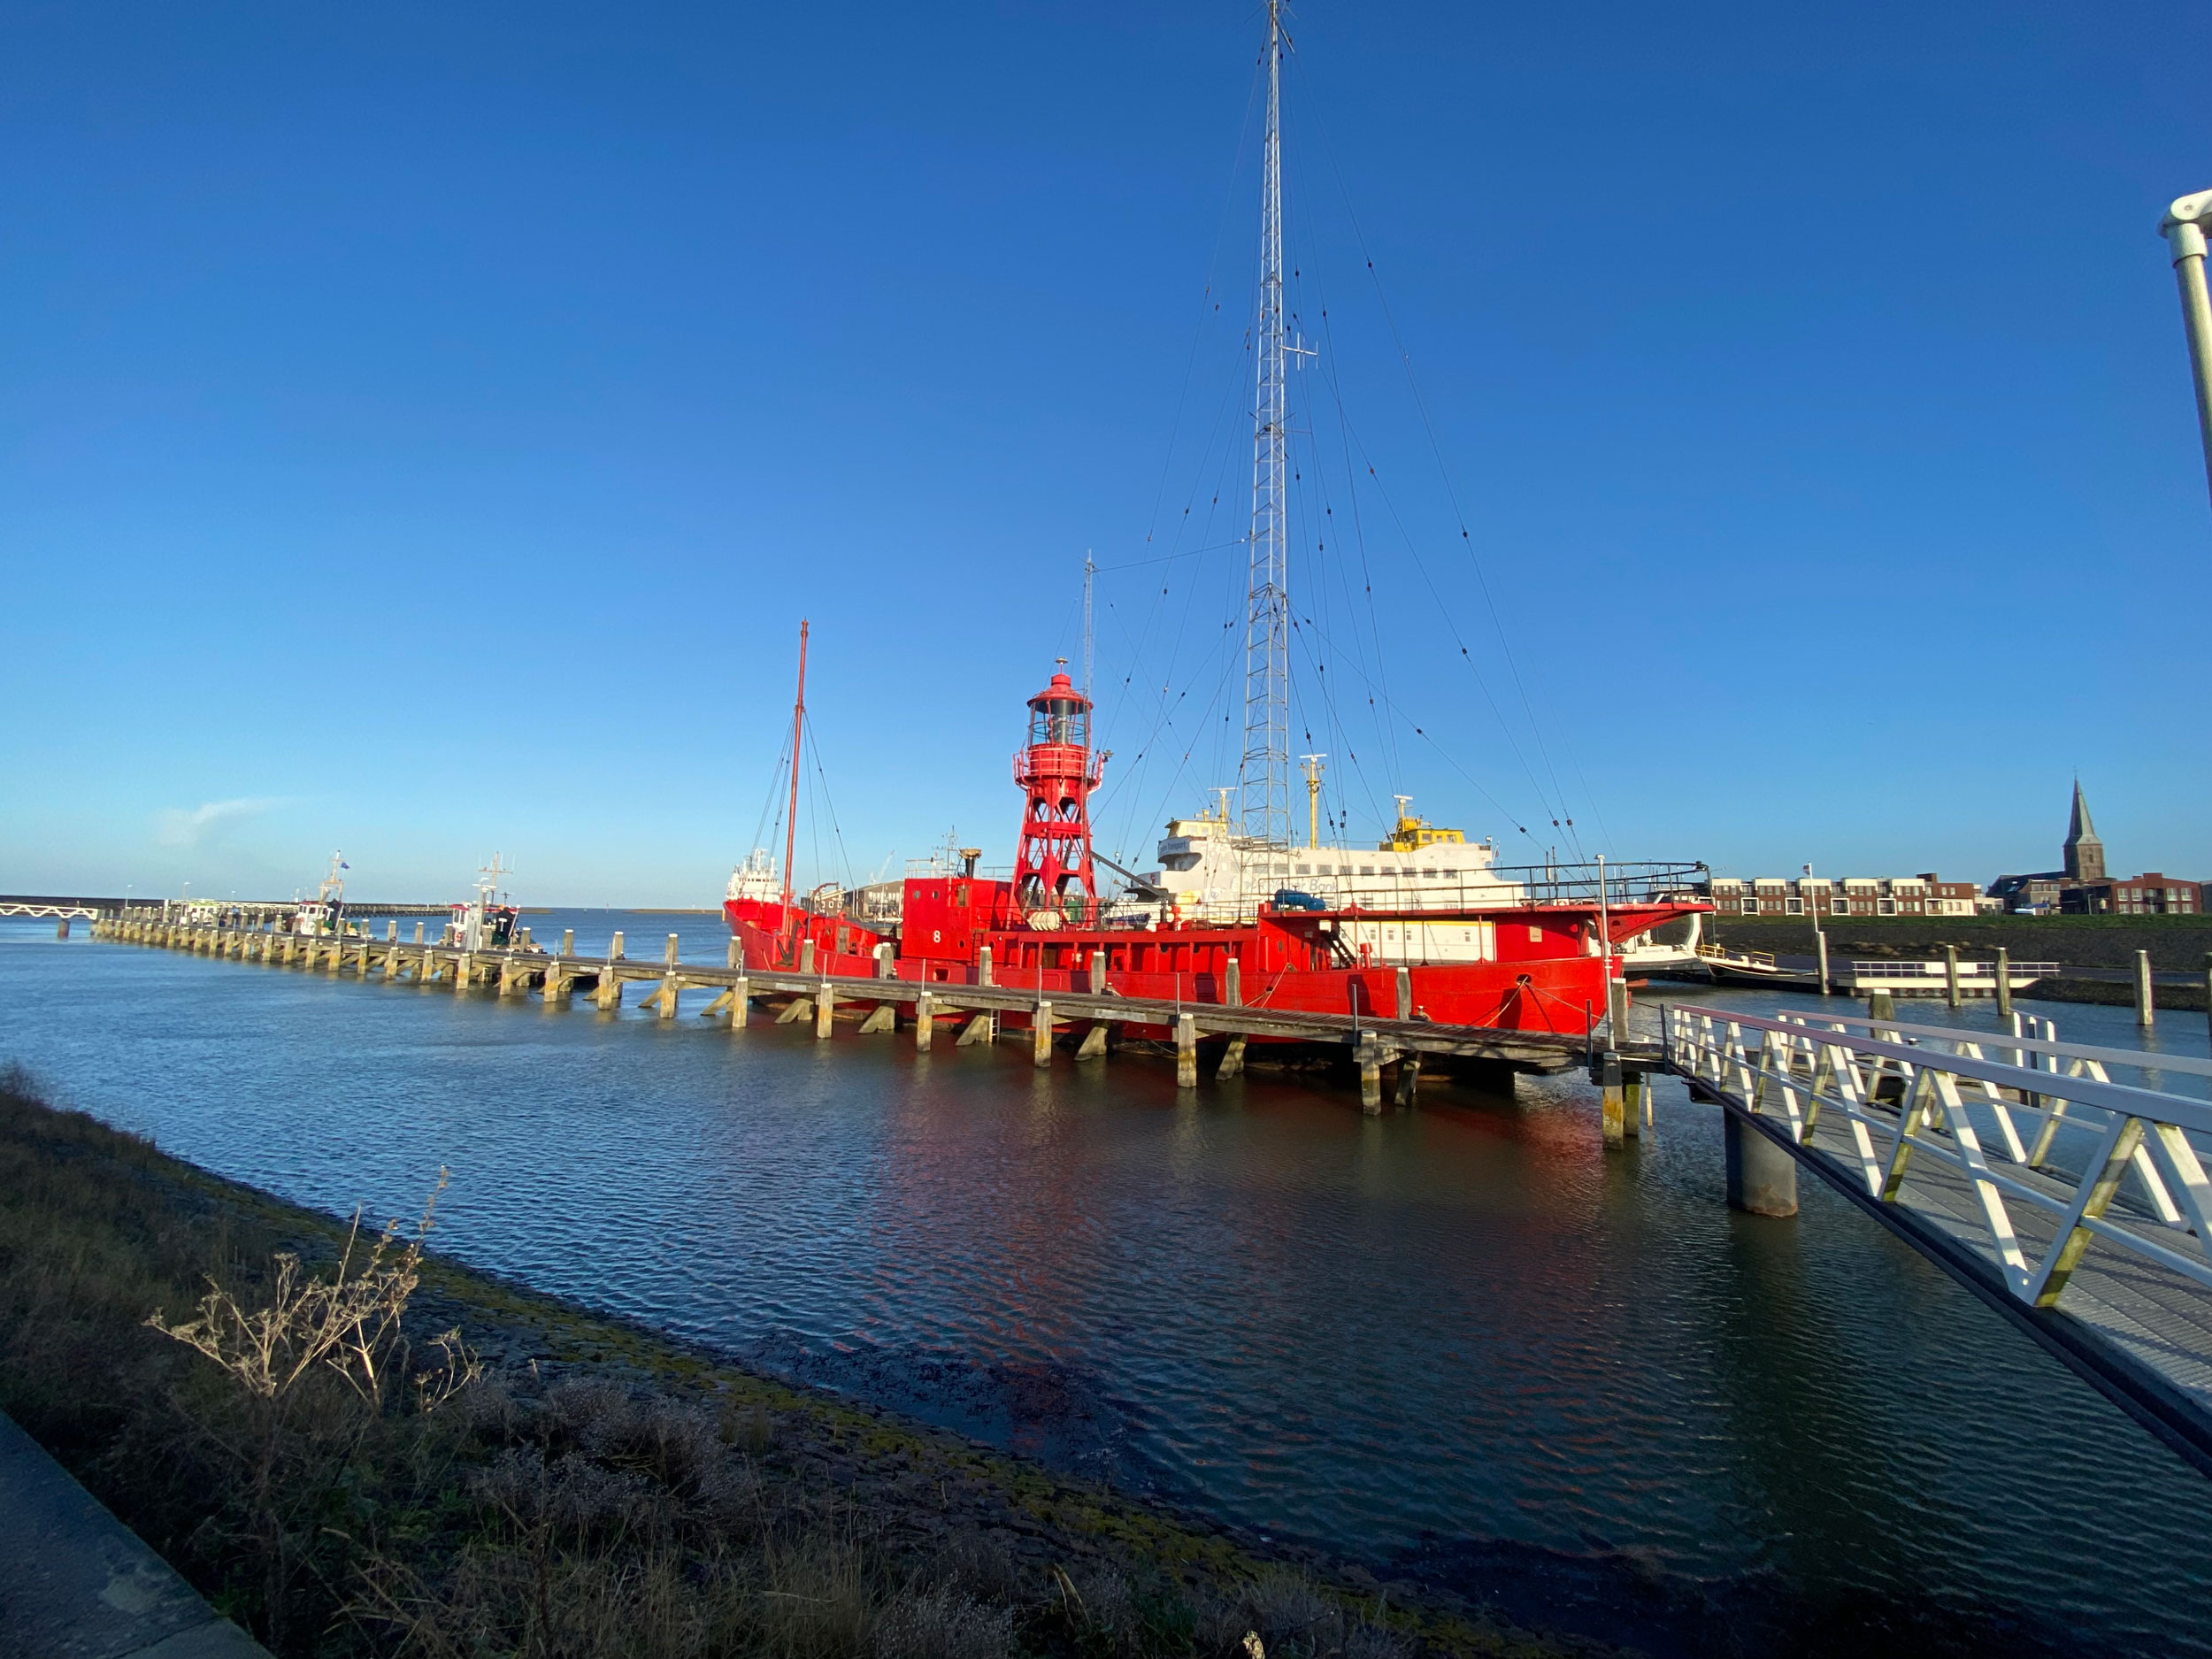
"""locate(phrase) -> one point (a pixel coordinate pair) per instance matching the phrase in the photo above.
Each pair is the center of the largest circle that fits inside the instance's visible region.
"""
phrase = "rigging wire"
(1405, 359)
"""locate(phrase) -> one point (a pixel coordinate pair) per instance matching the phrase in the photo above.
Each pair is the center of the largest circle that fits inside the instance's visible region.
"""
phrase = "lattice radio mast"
(1263, 775)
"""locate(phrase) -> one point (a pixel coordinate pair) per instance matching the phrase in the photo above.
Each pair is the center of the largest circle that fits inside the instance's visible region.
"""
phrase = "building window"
(1751, 907)
(1887, 907)
(1792, 906)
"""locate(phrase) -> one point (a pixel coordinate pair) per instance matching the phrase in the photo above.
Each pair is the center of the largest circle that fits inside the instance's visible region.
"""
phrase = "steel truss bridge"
(2075, 1205)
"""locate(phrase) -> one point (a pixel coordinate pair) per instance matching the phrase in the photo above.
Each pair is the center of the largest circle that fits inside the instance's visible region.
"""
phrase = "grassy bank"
(381, 1453)
(2175, 943)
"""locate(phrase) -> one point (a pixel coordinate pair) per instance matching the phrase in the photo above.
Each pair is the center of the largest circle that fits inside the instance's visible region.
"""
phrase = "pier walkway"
(2075, 1205)
(1092, 1021)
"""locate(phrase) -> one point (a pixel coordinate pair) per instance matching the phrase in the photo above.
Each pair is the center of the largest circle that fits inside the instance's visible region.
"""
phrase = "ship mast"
(791, 819)
(1263, 775)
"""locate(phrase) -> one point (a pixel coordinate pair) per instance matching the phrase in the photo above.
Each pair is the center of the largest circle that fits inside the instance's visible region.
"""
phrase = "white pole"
(2183, 229)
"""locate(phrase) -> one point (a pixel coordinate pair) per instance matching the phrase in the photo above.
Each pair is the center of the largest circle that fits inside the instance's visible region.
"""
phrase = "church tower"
(2084, 853)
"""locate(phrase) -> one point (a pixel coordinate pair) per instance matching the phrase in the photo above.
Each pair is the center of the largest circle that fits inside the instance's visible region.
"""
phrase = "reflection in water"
(1461, 1343)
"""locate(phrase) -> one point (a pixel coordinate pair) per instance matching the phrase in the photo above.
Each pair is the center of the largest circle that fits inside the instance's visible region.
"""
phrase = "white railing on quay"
(1938, 971)
(1909, 1092)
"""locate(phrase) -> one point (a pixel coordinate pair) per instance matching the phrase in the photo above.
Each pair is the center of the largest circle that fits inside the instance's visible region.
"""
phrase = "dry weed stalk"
(346, 1331)
(348, 1323)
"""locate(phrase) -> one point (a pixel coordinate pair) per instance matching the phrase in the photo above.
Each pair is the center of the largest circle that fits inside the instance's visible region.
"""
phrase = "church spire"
(2084, 853)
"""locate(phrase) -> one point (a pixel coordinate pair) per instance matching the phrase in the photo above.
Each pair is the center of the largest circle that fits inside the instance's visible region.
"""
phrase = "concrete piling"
(1232, 1057)
(1761, 1176)
(1612, 1101)
(2145, 1010)
(1041, 1034)
(1368, 1053)
(1409, 1079)
(1185, 1051)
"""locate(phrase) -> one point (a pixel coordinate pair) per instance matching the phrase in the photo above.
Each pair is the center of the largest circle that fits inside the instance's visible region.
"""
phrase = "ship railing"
(1636, 882)
(2022, 1149)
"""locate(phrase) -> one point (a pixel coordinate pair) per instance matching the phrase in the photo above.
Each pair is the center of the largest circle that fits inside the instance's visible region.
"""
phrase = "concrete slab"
(81, 1585)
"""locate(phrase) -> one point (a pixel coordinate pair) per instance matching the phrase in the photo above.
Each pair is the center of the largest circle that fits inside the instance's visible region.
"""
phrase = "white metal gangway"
(2076, 1205)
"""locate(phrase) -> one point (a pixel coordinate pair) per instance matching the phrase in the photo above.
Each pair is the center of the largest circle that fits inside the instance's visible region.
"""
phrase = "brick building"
(1923, 894)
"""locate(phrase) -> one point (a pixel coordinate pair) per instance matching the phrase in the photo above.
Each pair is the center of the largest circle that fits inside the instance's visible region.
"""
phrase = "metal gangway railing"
(2077, 1203)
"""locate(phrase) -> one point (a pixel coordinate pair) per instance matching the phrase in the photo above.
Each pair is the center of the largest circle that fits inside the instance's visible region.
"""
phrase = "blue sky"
(425, 427)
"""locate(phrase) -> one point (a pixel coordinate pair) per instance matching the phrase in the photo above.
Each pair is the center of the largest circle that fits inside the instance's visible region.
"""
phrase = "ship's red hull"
(1544, 968)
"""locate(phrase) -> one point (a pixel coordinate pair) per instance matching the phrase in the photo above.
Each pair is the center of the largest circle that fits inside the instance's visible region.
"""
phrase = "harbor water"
(1460, 1346)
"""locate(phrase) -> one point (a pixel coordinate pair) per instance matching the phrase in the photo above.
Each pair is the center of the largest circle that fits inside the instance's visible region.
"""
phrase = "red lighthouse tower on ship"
(1056, 772)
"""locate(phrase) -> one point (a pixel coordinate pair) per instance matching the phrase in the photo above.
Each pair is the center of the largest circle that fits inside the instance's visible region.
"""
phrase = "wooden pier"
(1090, 1024)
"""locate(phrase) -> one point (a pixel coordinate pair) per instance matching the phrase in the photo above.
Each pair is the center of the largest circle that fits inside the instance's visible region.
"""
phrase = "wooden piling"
(1185, 1051)
(882, 1017)
(925, 1022)
(1041, 1034)
(1232, 1057)
(1951, 975)
(1405, 994)
(797, 1008)
(2004, 982)
(1098, 972)
(983, 965)
(977, 1030)
(2145, 1010)
(1233, 983)
(670, 956)
(1094, 1044)
(741, 1004)
(825, 1010)
(568, 940)
(1614, 1109)
(806, 955)
(1635, 1090)
(419, 935)
(1368, 1053)
(2207, 992)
